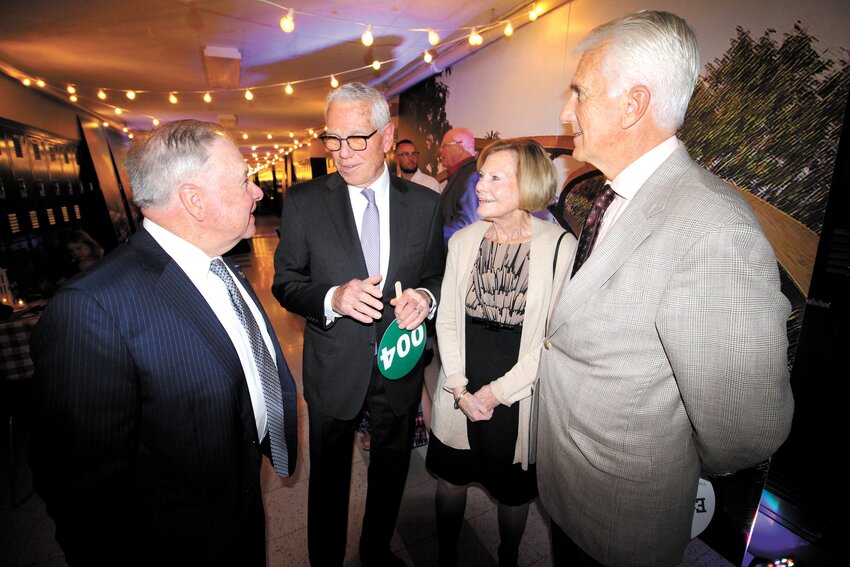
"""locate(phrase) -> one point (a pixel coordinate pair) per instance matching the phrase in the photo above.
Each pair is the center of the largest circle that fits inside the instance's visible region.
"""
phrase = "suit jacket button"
(547, 344)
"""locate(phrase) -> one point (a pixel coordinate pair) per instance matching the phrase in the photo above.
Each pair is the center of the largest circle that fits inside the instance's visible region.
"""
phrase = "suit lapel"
(175, 287)
(341, 216)
(399, 213)
(633, 227)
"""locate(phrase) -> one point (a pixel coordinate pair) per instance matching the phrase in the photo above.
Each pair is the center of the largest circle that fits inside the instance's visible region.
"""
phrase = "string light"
(367, 37)
(535, 11)
(131, 95)
(269, 136)
(118, 111)
(105, 124)
(427, 57)
(376, 65)
(207, 97)
(172, 98)
(310, 131)
(40, 83)
(287, 23)
(509, 29)
(249, 95)
(130, 135)
(475, 38)
(155, 121)
(101, 94)
(70, 88)
(26, 81)
(125, 129)
(334, 82)
(73, 98)
(253, 148)
(433, 37)
(291, 134)
(288, 89)
(244, 135)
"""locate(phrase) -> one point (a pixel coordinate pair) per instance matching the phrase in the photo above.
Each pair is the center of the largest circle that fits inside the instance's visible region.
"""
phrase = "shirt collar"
(631, 179)
(381, 186)
(189, 257)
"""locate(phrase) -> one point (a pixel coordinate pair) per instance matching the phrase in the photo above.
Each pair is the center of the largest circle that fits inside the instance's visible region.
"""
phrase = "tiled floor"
(26, 532)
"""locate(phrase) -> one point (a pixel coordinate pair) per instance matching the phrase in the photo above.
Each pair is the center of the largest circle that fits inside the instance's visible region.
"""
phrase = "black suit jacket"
(320, 248)
(144, 439)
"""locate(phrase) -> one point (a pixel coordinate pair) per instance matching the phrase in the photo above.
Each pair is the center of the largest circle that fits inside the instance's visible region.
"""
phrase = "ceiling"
(157, 47)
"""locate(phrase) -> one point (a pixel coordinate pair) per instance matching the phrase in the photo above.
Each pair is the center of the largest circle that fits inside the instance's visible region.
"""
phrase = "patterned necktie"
(591, 226)
(370, 234)
(265, 365)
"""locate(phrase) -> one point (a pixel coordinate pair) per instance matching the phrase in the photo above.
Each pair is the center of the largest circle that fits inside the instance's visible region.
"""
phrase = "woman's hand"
(487, 398)
(471, 406)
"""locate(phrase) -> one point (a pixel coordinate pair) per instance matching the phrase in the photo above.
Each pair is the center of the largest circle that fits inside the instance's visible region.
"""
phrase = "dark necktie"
(265, 365)
(370, 234)
(591, 226)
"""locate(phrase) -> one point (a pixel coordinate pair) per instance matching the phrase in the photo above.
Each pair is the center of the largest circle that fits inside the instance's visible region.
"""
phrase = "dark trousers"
(566, 553)
(331, 443)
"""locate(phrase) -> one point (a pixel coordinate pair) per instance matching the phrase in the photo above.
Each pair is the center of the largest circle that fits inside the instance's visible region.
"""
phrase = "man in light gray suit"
(666, 351)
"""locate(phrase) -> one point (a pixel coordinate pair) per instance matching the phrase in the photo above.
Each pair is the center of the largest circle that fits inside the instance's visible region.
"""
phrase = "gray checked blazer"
(665, 357)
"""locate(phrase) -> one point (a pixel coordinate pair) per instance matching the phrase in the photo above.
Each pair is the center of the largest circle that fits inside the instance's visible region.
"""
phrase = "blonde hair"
(534, 170)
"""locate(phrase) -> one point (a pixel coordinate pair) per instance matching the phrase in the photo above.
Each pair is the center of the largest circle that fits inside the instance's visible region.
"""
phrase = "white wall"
(517, 86)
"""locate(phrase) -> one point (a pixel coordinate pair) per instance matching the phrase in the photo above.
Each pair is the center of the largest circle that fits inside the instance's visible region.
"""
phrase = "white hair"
(170, 155)
(358, 92)
(655, 49)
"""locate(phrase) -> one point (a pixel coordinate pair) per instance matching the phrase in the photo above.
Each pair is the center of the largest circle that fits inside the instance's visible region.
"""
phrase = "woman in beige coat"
(501, 274)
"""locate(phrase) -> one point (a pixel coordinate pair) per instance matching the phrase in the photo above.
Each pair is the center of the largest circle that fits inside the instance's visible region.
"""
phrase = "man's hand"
(359, 299)
(411, 308)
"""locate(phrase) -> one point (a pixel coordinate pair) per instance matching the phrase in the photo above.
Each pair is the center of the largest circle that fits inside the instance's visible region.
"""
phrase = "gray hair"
(171, 154)
(358, 92)
(655, 49)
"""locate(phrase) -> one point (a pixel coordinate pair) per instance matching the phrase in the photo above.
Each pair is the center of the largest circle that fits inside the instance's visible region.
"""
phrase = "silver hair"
(358, 92)
(656, 49)
(170, 155)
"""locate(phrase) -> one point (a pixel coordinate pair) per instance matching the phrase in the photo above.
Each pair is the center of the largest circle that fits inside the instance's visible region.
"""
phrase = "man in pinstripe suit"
(666, 351)
(153, 393)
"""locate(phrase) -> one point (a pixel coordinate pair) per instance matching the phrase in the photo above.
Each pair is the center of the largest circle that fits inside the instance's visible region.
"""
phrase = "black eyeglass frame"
(325, 139)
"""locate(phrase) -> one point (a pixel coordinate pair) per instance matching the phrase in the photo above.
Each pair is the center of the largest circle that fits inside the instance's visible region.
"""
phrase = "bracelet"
(459, 398)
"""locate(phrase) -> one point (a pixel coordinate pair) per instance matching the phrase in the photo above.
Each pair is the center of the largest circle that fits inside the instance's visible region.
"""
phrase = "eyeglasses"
(356, 143)
(408, 154)
(445, 144)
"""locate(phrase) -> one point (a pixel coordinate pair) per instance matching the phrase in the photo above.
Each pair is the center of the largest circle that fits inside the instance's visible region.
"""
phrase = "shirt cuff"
(433, 310)
(330, 314)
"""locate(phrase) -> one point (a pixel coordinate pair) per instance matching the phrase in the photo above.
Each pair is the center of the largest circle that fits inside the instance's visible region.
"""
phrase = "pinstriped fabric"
(265, 365)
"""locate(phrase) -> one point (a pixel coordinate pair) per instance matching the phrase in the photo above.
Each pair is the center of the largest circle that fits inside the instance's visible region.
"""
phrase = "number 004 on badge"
(400, 350)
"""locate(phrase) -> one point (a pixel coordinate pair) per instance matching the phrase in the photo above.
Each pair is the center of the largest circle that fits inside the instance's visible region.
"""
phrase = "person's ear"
(636, 105)
(387, 135)
(192, 199)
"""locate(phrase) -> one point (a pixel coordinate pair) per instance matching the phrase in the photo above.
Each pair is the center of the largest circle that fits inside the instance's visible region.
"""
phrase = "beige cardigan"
(449, 424)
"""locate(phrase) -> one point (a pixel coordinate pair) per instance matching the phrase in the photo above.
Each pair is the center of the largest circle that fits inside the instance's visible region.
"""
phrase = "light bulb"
(155, 121)
(288, 89)
(101, 94)
(73, 98)
(253, 148)
(532, 15)
(433, 37)
(131, 95)
(367, 38)
(27, 82)
(291, 134)
(40, 83)
(428, 57)
(475, 38)
(287, 23)
(125, 129)
(249, 95)
(118, 110)
(310, 131)
(509, 30)
(105, 124)
(244, 135)
(276, 146)
(207, 97)
(376, 64)
(334, 82)
(172, 98)
(269, 136)
(70, 88)
(130, 135)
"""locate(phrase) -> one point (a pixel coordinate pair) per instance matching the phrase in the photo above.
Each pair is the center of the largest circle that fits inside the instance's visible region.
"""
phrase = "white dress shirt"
(630, 180)
(426, 181)
(196, 264)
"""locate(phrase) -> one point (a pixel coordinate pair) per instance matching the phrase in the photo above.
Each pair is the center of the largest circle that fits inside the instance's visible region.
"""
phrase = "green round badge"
(400, 350)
